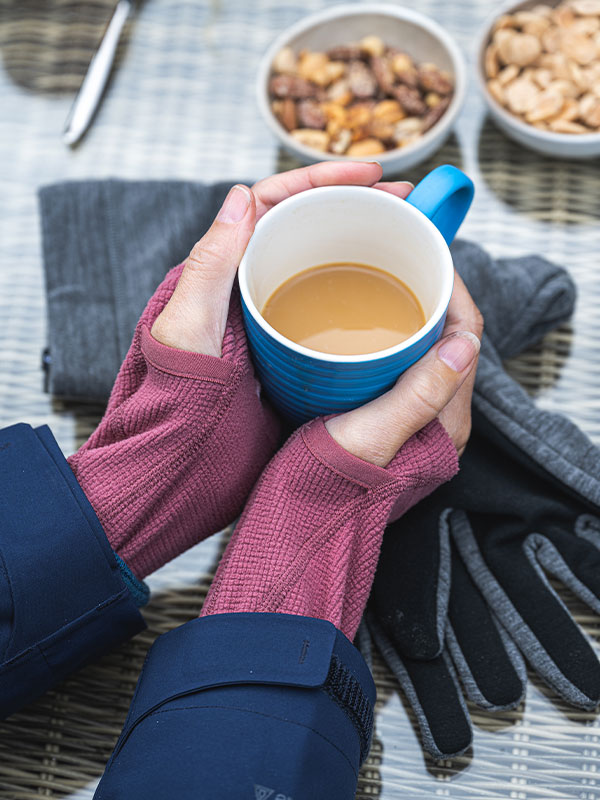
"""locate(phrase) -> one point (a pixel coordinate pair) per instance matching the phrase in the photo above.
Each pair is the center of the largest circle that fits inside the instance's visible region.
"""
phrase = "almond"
(285, 111)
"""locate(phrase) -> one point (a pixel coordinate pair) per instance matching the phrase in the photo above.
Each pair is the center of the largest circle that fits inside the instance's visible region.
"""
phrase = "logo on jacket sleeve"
(264, 793)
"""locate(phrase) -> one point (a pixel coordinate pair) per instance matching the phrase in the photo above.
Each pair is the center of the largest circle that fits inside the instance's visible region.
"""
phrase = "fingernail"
(459, 350)
(235, 206)
(408, 183)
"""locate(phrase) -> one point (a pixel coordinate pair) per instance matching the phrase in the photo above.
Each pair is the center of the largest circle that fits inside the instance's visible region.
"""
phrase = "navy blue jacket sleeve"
(63, 600)
(248, 705)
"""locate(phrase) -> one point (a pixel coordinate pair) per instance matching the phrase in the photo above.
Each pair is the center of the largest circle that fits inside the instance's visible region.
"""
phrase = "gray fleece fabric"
(106, 247)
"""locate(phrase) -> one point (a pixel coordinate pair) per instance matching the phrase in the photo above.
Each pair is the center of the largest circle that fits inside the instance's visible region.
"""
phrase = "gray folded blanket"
(108, 244)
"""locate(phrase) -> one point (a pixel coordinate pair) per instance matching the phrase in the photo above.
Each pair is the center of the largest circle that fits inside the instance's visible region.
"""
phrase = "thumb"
(376, 431)
(194, 318)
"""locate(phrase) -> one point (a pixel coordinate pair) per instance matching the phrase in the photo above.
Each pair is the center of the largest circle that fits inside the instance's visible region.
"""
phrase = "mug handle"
(444, 196)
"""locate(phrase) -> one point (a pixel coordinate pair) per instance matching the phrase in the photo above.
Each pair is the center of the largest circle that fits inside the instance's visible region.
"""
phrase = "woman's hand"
(439, 386)
(194, 318)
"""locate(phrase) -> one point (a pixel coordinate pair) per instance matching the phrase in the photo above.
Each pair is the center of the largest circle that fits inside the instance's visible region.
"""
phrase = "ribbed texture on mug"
(303, 387)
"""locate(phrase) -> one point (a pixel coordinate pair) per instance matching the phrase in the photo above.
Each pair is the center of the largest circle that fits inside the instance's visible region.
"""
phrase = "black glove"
(519, 502)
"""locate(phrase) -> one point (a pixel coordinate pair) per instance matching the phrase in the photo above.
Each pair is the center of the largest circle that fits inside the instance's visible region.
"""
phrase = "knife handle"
(88, 97)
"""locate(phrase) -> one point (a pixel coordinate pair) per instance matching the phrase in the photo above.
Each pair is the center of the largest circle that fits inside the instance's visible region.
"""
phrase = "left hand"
(194, 318)
(439, 385)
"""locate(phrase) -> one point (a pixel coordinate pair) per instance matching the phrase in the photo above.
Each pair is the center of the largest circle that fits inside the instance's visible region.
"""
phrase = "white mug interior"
(347, 224)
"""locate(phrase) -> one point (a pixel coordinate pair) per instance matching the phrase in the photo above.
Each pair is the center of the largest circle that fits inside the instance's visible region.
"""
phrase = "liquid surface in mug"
(344, 309)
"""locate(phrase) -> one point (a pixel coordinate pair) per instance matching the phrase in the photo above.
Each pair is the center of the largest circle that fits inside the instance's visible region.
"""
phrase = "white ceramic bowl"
(559, 145)
(422, 38)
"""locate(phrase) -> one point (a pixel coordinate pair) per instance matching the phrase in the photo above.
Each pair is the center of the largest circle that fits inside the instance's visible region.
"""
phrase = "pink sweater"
(183, 440)
(309, 538)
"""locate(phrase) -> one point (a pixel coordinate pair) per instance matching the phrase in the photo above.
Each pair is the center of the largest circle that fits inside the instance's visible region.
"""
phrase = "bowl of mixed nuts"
(363, 82)
(539, 68)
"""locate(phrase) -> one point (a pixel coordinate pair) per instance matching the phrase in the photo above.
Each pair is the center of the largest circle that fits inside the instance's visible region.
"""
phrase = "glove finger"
(516, 588)
(410, 591)
(575, 560)
(491, 669)
(433, 691)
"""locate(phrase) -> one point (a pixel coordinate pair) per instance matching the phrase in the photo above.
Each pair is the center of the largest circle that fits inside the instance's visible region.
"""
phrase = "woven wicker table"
(181, 105)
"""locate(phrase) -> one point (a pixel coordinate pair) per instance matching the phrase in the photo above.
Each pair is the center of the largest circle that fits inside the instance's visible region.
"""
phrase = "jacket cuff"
(63, 600)
(288, 695)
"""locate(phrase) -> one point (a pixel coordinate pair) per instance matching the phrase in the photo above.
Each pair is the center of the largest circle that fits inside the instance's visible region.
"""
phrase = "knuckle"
(430, 390)
(204, 257)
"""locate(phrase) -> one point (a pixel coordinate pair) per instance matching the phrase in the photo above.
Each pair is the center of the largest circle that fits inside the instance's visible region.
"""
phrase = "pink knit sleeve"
(309, 538)
(182, 442)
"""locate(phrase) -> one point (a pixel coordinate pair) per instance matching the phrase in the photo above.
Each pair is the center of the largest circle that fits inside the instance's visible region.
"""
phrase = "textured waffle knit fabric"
(309, 538)
(183, 440)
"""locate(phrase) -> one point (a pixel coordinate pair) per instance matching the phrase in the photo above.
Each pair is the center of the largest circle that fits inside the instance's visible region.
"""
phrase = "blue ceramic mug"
(408, 238)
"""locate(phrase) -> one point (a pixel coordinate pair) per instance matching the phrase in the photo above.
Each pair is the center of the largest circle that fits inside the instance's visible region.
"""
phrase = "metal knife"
(90, 93)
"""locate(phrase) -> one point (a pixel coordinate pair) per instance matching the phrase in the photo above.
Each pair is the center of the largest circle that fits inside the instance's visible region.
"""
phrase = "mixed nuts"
(357, 99)
(543, 65)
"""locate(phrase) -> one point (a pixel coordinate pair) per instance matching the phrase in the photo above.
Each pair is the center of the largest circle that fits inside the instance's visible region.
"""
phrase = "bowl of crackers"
(362, 82)
(539, 70)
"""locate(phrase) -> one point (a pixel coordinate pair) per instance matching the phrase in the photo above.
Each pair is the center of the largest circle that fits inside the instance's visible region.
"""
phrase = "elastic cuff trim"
(139, 590)
(182, 363)
(326, 450)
